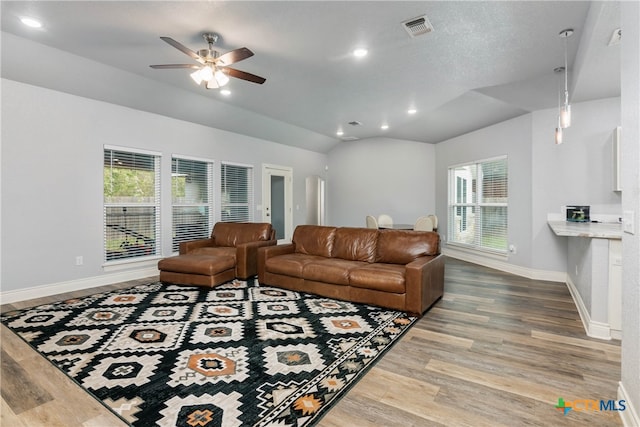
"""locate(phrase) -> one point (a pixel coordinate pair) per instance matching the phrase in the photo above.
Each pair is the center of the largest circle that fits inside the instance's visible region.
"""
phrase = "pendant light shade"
(565, 115)
(558, 132)
(558, 137)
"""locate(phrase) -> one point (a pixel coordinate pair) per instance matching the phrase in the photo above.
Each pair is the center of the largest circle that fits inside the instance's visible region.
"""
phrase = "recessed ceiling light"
(30, 22)
(225, 92)
(412, 111)
(360, 52)
(340, 133)
(384, 127)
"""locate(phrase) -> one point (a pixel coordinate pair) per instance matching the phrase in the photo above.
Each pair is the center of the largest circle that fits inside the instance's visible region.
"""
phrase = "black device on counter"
(578, 213)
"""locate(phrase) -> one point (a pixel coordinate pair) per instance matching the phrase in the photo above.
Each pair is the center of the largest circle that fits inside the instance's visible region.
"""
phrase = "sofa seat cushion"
(197, 264)
(330, 270)
(380, 277)
(214, 251)
(290, 264)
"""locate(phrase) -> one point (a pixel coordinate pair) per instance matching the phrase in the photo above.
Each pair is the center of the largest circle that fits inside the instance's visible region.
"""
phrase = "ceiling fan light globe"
(221, 78)
(206, 73)
(196, 77)
(212, 84)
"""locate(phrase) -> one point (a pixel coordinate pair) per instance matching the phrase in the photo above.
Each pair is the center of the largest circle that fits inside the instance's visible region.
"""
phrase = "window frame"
(228, 206)
(476, 203)
(155, 204)
(210, 204)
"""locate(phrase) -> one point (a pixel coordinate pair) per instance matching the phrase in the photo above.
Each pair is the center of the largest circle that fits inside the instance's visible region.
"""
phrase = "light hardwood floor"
(497, 350)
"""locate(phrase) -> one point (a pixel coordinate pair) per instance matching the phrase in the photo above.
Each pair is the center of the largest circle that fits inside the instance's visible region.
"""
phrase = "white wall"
(630, 384)
(52, 159)
(513, 139)
(380, 175)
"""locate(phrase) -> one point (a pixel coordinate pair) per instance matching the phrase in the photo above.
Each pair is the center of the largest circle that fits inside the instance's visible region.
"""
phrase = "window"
(192, 199)
(478, 204)
(131, 181)
(236, 183)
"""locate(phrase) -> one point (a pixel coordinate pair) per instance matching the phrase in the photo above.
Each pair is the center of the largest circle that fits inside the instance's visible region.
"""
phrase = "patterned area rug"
(237, 355)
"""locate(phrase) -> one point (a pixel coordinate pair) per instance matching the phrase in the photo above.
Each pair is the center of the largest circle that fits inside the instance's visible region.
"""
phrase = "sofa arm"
(266, 252)
(186, 247)
(247, 257)
(424, 283)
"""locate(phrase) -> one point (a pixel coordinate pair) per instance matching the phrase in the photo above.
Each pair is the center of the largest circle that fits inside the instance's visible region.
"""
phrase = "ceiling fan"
(214, 70)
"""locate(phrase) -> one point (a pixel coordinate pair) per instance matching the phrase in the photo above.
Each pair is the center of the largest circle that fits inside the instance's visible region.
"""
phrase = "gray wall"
(52, 154)
(380, 175)
(542, 176)
(579, 171)
(513, 139)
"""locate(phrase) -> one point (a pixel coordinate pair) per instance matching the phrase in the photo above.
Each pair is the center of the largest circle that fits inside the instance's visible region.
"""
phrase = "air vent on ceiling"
(355, 123)
(418, 26)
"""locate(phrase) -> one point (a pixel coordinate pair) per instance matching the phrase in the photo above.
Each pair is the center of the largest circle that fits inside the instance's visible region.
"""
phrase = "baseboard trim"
(529, 273)
(76, 285)
(629, 416)
(592, 328)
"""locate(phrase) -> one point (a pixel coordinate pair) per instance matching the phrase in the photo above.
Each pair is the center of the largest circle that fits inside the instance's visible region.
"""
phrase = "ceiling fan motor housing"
(208, 54)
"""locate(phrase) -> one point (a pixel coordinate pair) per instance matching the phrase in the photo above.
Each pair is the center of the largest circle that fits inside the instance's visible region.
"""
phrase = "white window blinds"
(236, 185)
(192, 200)
(131, 181)
(478, 203)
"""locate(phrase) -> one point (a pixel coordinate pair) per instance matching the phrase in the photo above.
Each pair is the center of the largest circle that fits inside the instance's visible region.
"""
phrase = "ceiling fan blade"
(233, 56)
(244, 75)
(183, 49)
(169, 66)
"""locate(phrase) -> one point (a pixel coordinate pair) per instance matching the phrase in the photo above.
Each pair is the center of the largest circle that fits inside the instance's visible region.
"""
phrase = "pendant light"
(565, 110)
(558, 133)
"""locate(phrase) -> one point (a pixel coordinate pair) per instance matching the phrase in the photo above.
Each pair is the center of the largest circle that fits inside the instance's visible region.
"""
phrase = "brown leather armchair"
(231, 251)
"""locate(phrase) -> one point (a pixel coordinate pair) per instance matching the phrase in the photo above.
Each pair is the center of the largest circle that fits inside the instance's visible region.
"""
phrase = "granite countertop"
(587, 229)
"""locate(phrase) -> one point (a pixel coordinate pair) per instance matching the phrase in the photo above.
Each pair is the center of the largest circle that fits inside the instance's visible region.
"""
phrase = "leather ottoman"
(200, 270)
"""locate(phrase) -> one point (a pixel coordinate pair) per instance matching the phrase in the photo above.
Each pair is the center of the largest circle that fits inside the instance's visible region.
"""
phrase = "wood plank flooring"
(497, 350)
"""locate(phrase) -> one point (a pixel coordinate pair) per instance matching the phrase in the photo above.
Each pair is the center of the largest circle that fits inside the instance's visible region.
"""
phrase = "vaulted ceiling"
(484, 62)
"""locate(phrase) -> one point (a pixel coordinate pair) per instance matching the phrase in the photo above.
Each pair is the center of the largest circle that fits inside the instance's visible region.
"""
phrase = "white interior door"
(277, 200)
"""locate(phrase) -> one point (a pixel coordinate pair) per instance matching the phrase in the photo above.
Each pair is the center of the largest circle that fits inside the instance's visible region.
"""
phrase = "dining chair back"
(434, 221)
(385, 220)
(372, 222)
(423, 223)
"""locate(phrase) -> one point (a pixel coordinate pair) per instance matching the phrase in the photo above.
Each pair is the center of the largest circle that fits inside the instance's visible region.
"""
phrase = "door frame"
(287, 173)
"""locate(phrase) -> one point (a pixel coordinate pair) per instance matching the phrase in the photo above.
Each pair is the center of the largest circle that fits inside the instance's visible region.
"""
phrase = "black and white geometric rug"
(236, 355)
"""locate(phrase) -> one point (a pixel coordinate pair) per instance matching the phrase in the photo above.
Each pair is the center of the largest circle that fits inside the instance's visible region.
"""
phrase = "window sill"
(127, 264)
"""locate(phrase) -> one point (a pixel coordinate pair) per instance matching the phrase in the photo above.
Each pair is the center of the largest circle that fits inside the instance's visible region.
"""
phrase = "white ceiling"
(485, 62)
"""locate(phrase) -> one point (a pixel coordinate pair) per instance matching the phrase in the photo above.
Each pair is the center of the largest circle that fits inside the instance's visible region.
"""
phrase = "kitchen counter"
(597, 230)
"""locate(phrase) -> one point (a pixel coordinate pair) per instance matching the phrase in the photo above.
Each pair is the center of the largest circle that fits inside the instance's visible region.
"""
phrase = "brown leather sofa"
(231, 252)
(397, 269)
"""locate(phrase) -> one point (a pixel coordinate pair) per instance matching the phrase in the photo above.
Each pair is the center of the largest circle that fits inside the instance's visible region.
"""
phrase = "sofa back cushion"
(236, 233)
(355, 244)
(404, 246)
(314, 239)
